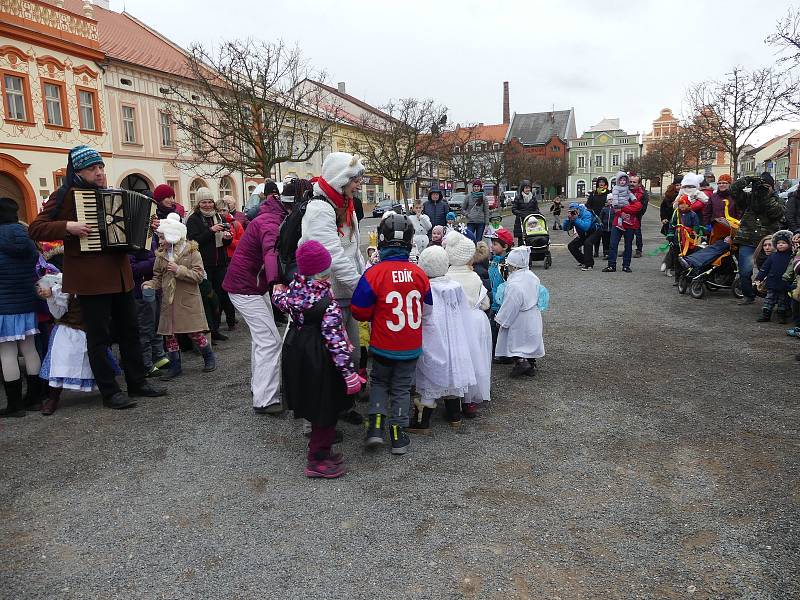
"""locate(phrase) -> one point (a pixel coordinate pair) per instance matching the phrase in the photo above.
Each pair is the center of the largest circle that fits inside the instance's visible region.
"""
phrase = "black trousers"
(215, 277)
(582, 247)
(101, 313)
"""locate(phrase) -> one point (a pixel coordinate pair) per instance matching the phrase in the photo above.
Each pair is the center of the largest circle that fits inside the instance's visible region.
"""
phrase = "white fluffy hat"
(172, 229)
(338, 168)
(694, 179)
(433, 261)
(459, 248)
(519, 257)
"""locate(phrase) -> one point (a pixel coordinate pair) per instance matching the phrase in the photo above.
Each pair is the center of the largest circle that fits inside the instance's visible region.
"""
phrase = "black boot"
(532, 372)
(521, 367)
(14, 396)
(783, 318)
(420, 422)
(33, 393)
(452, 410)
(209, 360)
(375, 431)
(174, 366)
(766, 316)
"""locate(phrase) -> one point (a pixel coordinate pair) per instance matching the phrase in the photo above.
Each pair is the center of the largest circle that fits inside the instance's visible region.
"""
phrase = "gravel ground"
(654, 456)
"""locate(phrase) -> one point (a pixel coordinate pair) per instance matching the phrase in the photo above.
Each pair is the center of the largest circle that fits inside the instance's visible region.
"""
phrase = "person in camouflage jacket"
(761, 212)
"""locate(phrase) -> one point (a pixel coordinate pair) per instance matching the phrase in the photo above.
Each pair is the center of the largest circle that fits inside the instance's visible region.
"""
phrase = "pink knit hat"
(312, 258)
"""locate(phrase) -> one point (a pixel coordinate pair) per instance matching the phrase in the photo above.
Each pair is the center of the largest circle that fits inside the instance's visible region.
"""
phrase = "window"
(580, 188)
(598, 160)
(193, 187)
(87, 103)
(165, 122)
(623, 141)
(174, 183)
(16, 109)
(128, 124)
(583, 144)
(581, 162)
(555, 148)
(53, 104)
(197, 140)
(497, 146)
(629, 156)
(615, 160)
(225, 187)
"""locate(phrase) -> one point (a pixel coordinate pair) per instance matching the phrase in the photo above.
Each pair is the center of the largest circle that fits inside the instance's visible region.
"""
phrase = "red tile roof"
(125, 38)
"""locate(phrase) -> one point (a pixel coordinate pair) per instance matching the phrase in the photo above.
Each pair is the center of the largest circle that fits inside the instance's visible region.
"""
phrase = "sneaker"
(585, 268)
(469, 410)
(610, 269)
(324, 469)
(663, 267)
(375, 431)
(400, 440)
(274, 409)
(161, 363)
(670, 273)
(156, 372)
(626, 270)
(521, 367)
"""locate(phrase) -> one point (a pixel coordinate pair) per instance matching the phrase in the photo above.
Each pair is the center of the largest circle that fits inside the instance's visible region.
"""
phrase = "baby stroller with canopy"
(537, 237)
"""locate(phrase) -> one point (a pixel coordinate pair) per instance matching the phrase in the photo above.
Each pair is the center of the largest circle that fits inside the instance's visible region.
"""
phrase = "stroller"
(537, 236)
(714, 267)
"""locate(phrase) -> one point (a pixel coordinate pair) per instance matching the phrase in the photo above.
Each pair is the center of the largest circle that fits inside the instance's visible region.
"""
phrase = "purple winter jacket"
(254, 265)
(142, 266)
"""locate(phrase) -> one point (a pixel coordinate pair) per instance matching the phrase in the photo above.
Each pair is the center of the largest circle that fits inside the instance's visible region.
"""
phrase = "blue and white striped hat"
(84, 157)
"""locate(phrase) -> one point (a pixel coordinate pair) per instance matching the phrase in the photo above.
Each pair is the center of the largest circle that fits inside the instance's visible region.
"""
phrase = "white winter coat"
(422, 225)
(472, 284)
(519, 318)
(347, 263)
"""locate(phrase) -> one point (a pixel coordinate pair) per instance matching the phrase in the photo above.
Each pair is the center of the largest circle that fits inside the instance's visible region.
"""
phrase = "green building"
(602, 150)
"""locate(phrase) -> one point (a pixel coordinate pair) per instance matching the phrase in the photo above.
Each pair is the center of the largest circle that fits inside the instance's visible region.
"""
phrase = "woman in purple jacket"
(251, 272)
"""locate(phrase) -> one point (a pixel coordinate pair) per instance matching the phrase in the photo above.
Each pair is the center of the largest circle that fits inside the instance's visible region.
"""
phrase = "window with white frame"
(165, 124)
(598, 160)
(629, 156)
(128, 124)
(52, 101)
(15, 98)
(225, 187)
(581, 162)
(615, 160)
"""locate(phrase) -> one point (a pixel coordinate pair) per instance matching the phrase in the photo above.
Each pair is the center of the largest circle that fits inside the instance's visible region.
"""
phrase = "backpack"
(288, 240)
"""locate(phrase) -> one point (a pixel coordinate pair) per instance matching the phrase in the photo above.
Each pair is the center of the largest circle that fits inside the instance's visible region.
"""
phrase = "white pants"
(265, 347)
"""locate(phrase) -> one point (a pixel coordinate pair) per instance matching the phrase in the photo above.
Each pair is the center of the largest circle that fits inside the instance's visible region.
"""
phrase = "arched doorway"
(580, 190)
(14, 185)
(136, 183)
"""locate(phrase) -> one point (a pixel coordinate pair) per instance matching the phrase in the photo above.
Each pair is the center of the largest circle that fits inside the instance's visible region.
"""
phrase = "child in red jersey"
(390, 296)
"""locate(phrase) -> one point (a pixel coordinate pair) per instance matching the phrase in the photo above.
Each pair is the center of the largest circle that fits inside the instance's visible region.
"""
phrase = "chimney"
(506, 109)
(341, 86)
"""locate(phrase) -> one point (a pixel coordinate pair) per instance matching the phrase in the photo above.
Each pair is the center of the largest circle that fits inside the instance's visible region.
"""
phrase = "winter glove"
(354, 382)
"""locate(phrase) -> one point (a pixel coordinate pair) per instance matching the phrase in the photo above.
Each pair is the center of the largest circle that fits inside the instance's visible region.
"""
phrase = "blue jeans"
(477, 230)
(616, 235)
(746, 270)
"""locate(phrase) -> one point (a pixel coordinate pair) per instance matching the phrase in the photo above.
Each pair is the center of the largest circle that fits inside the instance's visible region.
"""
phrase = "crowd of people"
(423, 319)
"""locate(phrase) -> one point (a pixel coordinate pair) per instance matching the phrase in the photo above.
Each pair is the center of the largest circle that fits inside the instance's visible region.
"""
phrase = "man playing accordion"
(103, 282)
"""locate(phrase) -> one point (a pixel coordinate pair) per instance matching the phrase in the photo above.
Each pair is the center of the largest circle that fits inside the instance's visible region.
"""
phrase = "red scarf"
(339, 201)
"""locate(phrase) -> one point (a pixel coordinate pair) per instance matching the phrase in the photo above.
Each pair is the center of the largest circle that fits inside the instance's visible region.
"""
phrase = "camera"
(226, 226)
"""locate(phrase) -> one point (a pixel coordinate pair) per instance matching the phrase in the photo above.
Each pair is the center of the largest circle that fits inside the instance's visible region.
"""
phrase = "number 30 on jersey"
(407, 311)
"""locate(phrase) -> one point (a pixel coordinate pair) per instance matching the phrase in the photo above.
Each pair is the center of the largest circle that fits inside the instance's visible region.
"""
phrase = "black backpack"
(288, 239)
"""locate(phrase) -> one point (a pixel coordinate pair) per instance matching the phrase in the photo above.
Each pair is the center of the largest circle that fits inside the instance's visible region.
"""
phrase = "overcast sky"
(611, 59)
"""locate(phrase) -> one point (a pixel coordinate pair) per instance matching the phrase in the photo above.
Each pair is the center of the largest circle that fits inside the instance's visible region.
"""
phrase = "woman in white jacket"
(422, 225)
(460, 252)
(330, 219)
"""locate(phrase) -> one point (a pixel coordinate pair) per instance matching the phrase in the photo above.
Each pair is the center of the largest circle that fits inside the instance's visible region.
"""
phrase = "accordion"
(120, 219)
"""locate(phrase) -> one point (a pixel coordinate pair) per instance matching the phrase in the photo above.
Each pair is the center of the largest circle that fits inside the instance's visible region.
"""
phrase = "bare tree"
(247, 109)
(786, 41)
(404, 139)
(458, 149)
(725, 114)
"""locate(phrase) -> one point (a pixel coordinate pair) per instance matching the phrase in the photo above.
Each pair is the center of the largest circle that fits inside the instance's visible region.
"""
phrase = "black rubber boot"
(34, 394)
(452, 409)
(209, 360)
(14, 396)
(174, 366)
(420, 422)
